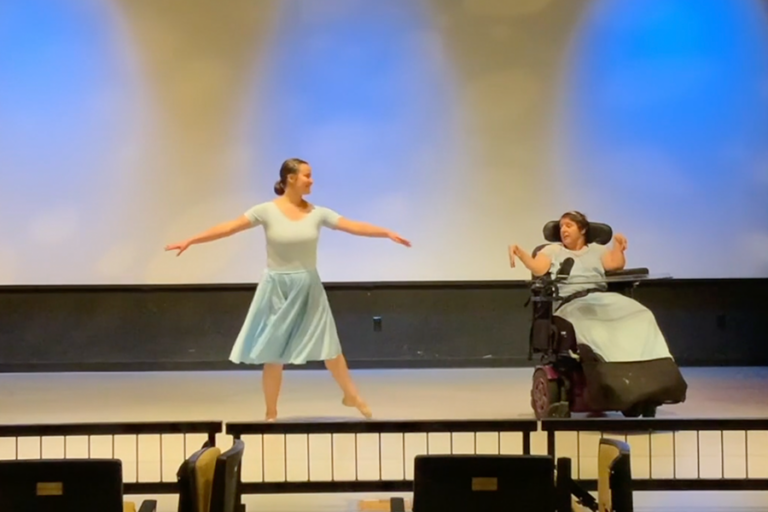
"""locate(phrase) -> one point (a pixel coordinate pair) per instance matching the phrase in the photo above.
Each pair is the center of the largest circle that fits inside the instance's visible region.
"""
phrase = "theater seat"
(146, 506)
(208, 479)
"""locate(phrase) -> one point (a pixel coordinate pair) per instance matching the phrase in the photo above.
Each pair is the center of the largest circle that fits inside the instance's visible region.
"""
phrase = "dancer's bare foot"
(359, 404)
(270, 416)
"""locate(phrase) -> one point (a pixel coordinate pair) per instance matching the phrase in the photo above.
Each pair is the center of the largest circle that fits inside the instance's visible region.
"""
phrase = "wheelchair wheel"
(545, 397)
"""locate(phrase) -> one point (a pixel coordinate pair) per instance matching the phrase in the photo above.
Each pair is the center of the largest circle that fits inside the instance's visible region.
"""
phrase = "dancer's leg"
(272, 378)
(338, 368)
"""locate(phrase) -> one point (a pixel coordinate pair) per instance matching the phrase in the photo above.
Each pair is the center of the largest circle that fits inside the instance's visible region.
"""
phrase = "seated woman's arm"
(613, 259)
(538, 266)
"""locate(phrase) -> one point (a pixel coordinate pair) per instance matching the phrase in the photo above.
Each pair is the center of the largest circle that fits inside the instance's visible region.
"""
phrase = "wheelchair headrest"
(596, 234)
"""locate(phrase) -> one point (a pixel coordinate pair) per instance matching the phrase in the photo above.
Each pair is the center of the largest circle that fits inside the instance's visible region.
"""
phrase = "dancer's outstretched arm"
(354, 227)
(222, 230)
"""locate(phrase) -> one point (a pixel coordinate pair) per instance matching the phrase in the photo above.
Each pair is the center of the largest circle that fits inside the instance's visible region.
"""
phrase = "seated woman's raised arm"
(538, 265)
(613, 258)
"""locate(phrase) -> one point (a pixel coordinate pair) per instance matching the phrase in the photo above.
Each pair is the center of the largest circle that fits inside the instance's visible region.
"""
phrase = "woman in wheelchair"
(608, 328)
(615, 326)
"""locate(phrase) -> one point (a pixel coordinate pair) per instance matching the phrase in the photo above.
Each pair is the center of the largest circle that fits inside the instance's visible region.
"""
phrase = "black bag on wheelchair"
(619, 386)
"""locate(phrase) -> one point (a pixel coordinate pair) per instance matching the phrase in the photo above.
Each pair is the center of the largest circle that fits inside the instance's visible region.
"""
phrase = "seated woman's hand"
(514, 251)
(620, 242)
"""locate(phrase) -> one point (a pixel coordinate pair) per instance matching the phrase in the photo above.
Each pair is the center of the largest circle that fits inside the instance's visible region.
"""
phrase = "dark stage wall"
(707, 322)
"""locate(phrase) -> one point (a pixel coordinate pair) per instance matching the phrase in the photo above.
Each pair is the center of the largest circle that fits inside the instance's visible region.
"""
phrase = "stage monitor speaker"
(484, 483)
(71, 485)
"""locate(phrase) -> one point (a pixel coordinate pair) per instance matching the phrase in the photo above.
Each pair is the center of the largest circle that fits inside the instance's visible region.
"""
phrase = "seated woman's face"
(570, 233)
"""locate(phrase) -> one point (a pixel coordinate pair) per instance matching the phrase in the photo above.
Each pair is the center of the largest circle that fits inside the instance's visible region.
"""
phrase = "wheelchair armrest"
(641, 271)
(626, 287)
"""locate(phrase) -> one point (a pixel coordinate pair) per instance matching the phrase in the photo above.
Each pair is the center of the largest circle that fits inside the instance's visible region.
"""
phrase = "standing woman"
(290, 320)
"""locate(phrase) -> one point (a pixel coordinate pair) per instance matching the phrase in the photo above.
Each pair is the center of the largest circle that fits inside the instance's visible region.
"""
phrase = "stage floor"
(392, 394)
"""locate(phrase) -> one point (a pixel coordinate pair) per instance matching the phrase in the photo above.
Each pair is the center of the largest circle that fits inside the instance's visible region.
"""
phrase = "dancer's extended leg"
(338, 368)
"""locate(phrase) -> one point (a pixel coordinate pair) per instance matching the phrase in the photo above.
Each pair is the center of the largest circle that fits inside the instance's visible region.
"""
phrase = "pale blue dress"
(615, 326)
(289, 320)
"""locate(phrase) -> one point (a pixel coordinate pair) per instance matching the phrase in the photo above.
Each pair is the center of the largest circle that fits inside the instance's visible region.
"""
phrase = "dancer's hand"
(398, 239)
(181, 247)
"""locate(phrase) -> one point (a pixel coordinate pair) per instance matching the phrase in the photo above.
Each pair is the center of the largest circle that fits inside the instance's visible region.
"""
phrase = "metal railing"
(686, 454)
(362, 456)
(168, 445)
(377, 456)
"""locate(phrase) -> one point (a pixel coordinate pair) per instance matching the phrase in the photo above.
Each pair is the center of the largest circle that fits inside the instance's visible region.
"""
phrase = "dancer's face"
(302, 180)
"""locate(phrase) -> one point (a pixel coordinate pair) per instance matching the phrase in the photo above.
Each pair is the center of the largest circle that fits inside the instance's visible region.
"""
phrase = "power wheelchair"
(570, 376)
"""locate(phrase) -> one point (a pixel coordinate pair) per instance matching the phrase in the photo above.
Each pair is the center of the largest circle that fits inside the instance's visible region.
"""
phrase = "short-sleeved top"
(291, 244)
(587, 268)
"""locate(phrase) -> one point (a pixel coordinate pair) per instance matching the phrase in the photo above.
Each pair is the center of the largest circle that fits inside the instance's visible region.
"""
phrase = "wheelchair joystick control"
(545, 287)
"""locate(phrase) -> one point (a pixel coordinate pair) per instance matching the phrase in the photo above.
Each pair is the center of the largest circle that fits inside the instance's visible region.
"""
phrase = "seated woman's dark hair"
(290, 166)
(579, 219)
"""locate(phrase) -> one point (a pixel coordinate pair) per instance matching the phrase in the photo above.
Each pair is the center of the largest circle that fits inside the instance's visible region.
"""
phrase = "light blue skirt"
(289, 322)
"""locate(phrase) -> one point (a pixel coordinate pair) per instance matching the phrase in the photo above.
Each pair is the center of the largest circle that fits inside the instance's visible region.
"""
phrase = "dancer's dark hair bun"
(289, 167)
